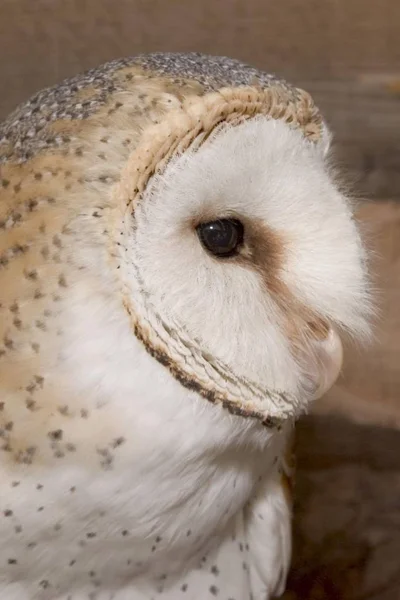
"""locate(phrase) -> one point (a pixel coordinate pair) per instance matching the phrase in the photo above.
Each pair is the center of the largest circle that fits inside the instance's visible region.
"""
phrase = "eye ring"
(222, 237)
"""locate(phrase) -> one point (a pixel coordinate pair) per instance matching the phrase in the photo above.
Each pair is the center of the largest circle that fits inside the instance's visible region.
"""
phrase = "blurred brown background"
(347, 54)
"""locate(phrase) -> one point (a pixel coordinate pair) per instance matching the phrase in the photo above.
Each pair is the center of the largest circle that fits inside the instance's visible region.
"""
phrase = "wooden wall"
(338, 49)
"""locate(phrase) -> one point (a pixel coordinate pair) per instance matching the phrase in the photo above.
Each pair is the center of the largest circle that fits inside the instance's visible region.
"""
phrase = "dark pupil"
(222, 237)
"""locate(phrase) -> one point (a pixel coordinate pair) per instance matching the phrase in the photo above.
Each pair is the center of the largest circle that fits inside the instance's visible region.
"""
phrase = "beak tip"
(330, 358)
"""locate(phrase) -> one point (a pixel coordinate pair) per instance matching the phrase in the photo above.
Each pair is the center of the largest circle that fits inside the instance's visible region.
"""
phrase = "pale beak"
(329, 353)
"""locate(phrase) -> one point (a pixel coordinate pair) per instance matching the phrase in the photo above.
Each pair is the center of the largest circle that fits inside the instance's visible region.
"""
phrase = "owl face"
(246, 250)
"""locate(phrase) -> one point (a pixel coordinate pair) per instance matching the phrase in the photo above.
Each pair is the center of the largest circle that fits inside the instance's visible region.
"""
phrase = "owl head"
(240, 260)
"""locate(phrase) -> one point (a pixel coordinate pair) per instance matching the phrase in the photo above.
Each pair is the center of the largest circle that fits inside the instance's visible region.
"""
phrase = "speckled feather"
(92, 507)
(28, 129)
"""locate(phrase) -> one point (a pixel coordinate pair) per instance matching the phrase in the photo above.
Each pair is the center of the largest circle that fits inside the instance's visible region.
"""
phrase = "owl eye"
(222, 238)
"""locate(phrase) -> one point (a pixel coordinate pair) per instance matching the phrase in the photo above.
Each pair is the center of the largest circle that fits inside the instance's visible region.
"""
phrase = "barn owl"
(177, 268)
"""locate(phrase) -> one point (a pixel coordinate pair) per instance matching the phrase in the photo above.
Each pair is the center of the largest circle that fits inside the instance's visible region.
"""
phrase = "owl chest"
(138, 479)
(132, 474)
(121, 523)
